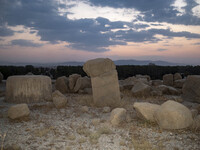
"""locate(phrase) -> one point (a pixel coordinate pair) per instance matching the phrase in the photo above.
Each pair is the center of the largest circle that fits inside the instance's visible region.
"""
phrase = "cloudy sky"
(69, 30)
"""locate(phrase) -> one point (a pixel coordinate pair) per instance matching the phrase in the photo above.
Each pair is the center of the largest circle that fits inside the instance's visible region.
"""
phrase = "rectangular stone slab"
(106, 89)
(28, 89)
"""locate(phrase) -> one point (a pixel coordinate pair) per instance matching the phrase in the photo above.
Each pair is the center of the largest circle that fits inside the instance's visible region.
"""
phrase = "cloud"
(157, 10)
(4, 31)
(25, 43)
(198, 43)
(44, 19)
(162, 49)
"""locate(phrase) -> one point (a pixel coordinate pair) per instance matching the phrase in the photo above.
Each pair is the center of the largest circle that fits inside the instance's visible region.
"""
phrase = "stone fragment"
(59, 100)
(18, 111)
(62, 84)
(72, 80)
(118, 116)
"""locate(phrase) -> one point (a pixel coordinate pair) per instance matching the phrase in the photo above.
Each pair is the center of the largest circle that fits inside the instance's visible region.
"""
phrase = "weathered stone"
(84, 109)
(105, 86)
(106, 109)
(72, 80)
(168, 90)
(59, 100)
(127, 83)
(157, 82)
(168, 79)
(196, 123)
(191, 89)
(177, 76)
(96, 121)
(147, 77)
(1, 77)
(99, 66)
(62, 84)
(173, 115)
(118, 116)
(28, 89)
(179, 83)
(88, 90)
(146, 110)
(18, 111)
(81, 83)
(141, 89)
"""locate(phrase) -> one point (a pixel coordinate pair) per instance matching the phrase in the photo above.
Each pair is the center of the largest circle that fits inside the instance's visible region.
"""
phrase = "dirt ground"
(48, 128)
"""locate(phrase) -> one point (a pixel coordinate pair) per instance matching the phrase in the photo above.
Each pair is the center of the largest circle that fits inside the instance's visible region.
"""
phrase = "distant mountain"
(117, 62)
(146, 62)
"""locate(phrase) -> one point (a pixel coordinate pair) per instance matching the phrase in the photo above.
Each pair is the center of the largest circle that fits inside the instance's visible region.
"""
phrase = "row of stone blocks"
(32, 88)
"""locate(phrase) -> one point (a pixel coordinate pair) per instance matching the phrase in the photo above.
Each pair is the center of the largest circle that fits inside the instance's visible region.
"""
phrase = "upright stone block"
(105, 85)
(28, 89)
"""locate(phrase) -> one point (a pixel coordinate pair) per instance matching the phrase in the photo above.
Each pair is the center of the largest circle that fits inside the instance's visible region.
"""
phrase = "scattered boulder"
(62, 84)
(157, 82)
(168, 79)
(105, 86)
(146, 110)
(147, 77)
(173, 115)
(179, 83)
(72, 80)
(18, 111)
(191, 89)
(59, 100)
(106, 109)
(127, 83)
(28, 89)
(1, 77)
(177, 76)
(118, 116)
(168, 90)
(81, 83)
(141, 89)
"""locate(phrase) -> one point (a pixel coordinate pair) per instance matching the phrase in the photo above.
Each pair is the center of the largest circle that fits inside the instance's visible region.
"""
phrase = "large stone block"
(191, 89)
(98, 66)
(106, 89)
(104, 80)
(28, 89)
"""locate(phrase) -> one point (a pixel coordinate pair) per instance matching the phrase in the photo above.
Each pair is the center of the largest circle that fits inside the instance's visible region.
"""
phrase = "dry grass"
(3, 136)
(82, 140)
(85, 100)
(83, 131)
(43, 132)
(71, 137)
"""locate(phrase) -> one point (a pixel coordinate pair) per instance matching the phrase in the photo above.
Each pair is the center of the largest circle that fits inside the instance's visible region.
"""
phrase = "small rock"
(84, 109)
(118, 116)
(96, 122)
(18, 111)
(128, 118)
(106, 109)
(59, 100)
(146, 110)
(196, 123)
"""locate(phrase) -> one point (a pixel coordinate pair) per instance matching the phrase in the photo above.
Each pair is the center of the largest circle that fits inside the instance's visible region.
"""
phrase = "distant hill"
(117, 62)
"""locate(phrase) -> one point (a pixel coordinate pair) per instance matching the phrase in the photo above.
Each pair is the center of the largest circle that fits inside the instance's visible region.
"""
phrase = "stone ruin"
(28, 89)
(105, 85)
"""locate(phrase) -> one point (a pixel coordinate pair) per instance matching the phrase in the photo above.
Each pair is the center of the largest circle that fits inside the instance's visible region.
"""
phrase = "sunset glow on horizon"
(43, 31)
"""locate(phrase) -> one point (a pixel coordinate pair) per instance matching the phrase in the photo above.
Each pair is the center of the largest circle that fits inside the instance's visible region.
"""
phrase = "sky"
(48, 31)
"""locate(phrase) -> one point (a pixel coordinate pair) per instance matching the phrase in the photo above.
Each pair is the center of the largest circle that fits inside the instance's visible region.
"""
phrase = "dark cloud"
(42, 17)
(155, 10)
(161, 49)
(25, 43)
(4, 31)
(198, 43)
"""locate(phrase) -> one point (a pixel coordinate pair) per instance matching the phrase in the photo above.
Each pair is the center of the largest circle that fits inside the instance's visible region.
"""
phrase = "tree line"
(125, 71)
